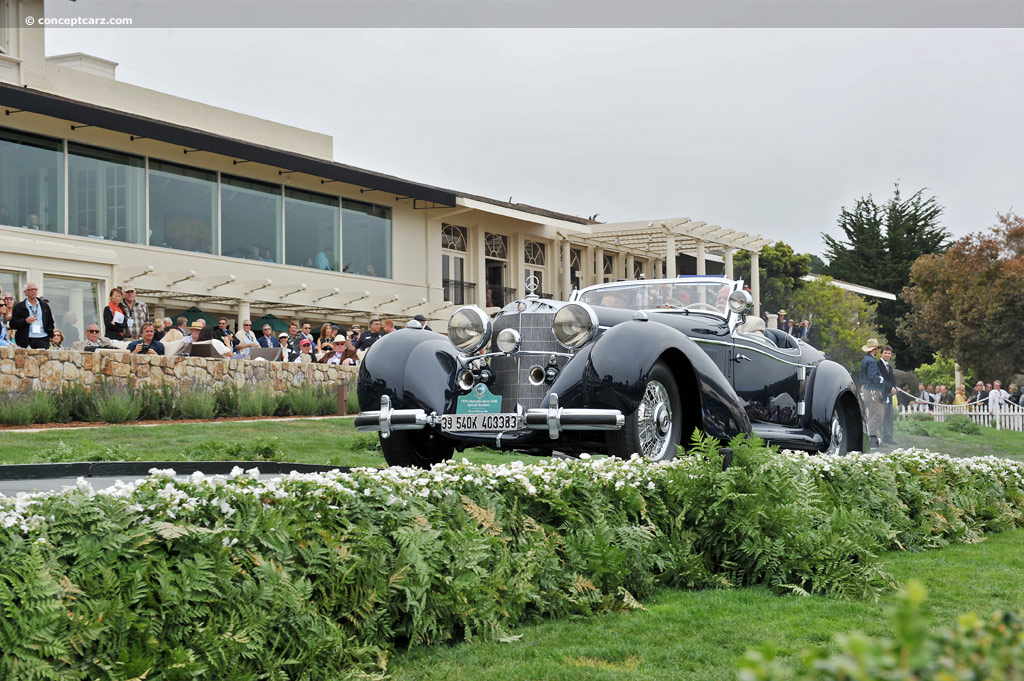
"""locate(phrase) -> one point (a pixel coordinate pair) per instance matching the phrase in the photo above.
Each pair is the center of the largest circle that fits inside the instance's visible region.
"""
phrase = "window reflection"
(31, 182)
(182, 207)
(250, 221)
(106, 194)
(74, 304)
(311, 230)
(366, 239)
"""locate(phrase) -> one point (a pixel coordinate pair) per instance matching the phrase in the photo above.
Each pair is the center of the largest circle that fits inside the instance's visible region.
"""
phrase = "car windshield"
(703, 296)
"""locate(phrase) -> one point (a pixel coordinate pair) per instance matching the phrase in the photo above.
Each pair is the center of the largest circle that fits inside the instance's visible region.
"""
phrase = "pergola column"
(629, 266)
(670, 256)
(755, 281)
(728, 263)
(701, 264)
(244, 310)
(566, 278)
(599, 265)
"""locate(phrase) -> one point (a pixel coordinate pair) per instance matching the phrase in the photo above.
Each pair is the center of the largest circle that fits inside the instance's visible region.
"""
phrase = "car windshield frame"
(664, 295)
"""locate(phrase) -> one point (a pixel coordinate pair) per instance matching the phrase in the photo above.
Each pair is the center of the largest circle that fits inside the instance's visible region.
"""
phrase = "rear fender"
(830, 384)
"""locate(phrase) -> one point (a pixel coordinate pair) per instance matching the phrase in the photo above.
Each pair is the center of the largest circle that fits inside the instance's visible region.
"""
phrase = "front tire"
(838, 432)
(416, 448)
(653, 430)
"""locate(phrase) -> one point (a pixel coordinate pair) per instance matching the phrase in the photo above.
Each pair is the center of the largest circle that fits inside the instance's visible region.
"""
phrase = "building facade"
(103, 183)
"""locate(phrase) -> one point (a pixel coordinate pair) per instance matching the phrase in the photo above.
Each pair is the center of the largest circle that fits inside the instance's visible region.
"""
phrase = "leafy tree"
(881, 243)
(940, 371)
(780, 271)
(841, 321)
(967, 302)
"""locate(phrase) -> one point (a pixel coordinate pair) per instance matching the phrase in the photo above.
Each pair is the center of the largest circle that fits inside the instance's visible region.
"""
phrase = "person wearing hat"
(135, 310)
(305, 352)
(871, 383)
(423, 322)
(194, 330)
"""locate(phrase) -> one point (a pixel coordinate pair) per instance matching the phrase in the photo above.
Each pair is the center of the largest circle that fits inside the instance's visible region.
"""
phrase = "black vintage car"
(627, 367)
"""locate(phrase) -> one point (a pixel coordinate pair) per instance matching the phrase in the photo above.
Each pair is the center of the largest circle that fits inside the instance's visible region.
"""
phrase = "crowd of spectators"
(124, 325)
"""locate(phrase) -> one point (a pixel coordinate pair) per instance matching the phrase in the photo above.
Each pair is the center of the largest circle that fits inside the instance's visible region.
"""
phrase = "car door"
(769, 380)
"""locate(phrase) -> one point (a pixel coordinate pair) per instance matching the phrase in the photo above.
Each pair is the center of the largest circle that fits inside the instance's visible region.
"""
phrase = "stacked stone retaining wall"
(24, 370)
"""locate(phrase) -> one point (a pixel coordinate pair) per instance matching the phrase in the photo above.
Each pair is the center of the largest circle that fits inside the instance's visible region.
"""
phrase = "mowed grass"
(989, 442)
(332, 441)
(699, 635)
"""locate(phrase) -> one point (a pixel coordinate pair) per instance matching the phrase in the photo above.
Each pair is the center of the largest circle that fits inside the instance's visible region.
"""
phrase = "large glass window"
(365, 239)
(74, 304)
(182, 207)
(31, 182)
(10, 284)
(106, 194)
(311, 230)
(250, 220)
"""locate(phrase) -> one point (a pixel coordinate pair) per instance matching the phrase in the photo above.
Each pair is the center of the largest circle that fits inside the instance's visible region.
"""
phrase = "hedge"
(322, 576)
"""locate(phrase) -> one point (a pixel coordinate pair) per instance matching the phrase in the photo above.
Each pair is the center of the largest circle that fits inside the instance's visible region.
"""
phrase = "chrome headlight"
(574, 325)
(508, 340)
(740, 300)
(469, 329)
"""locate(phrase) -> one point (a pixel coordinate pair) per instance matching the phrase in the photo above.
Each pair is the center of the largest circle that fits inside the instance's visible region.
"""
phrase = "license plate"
(479, 422)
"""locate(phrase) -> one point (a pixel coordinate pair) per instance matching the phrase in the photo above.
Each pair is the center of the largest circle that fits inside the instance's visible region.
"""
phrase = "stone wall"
(22, 369)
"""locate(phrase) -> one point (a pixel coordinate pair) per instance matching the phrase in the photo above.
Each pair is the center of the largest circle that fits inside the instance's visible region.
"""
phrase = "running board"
(789, 438)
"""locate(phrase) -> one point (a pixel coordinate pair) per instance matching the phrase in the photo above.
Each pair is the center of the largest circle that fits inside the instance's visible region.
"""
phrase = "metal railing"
(457, 292)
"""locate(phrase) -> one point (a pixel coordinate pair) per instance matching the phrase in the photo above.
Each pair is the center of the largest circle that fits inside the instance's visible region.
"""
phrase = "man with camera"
(146, 345)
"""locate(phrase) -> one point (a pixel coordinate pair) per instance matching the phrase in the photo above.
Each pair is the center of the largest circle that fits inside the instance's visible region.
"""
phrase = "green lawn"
(690, 636)
(989, 442)
(331, 441)
(334, 441)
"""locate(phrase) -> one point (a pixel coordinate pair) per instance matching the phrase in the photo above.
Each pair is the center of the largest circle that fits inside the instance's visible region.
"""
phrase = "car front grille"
(512, 373)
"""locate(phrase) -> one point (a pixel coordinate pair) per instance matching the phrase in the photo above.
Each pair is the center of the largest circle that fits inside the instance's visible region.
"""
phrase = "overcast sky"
(762, 131)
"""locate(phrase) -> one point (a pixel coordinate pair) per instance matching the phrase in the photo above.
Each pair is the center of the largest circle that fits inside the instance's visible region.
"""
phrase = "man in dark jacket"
(888, 390)
(871, 390)
(32, 320)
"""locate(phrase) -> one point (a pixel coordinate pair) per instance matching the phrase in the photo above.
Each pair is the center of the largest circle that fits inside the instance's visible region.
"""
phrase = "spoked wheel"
(838, 433)
(652, 431)
(418, 448)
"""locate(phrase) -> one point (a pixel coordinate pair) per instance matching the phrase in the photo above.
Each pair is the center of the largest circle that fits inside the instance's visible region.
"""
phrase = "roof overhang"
(653, 235)
(853, 288)
(24, 99)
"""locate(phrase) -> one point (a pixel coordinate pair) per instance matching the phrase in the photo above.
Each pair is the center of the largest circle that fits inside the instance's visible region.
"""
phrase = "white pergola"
(668, 237)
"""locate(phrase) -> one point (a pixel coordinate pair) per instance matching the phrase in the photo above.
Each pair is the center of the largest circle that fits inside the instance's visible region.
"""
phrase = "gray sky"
(762, 131)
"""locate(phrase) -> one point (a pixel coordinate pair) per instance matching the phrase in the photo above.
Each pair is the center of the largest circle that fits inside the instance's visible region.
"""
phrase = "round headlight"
(508, 340)
(740, 300)
(574, 325)
(469, 329)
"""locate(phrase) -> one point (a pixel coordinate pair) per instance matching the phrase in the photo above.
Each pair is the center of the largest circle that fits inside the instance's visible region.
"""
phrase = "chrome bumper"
(552, 418)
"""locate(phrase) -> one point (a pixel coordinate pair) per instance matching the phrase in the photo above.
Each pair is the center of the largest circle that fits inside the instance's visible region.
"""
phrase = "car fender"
(415, 368)
(621, 361)
(828, 383)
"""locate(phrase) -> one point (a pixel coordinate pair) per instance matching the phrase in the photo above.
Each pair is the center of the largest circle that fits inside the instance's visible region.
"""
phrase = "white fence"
(1008, 417)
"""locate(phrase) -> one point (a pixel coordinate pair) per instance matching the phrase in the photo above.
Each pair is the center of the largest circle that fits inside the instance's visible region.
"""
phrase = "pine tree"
(880, 246)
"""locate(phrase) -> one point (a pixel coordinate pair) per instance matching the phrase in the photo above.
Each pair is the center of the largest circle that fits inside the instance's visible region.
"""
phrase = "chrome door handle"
(741, 358)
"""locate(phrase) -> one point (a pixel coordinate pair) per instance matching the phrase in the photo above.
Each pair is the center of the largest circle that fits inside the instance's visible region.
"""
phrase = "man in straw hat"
(871, 383)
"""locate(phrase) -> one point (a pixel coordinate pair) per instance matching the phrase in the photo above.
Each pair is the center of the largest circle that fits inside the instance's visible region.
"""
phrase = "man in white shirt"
(246, 339)
(997, 397)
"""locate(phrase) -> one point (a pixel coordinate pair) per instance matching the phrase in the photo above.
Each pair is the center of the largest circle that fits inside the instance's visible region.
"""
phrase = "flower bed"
(320, 576)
